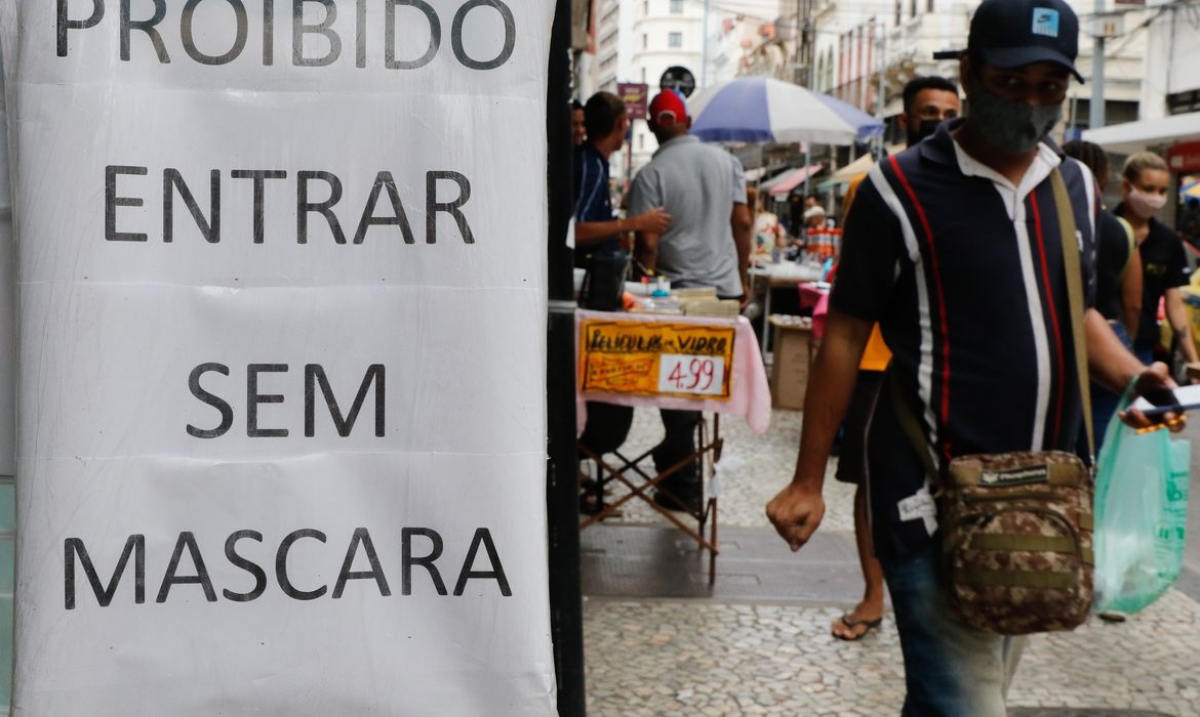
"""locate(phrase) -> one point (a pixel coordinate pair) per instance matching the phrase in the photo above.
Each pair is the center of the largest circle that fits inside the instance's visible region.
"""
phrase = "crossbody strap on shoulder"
(1071, 250)
(1071, 265)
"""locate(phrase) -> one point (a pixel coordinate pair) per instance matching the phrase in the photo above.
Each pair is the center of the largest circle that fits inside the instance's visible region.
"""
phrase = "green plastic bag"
(1141, 514)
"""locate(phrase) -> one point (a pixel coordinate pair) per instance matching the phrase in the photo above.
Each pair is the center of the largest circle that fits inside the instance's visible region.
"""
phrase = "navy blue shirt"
(1114, 245)
(965, 276)
(1164, 266)
(592, 200)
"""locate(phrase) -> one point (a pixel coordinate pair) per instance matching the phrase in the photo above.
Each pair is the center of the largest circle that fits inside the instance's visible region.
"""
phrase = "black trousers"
(679, 443)
(608, 427)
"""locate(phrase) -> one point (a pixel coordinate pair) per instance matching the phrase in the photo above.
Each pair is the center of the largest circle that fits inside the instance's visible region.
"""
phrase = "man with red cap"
(978, 370)
(707, 244)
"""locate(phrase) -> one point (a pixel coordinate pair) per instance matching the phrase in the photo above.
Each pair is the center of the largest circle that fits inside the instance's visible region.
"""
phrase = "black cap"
(1013, 33)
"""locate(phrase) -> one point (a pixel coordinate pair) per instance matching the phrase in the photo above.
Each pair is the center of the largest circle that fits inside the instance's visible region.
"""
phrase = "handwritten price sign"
(653, 358)
(695, 375)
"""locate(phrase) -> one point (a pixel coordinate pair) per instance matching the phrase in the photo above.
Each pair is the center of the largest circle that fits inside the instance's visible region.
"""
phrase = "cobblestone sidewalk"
(700, 658)
(703, 657)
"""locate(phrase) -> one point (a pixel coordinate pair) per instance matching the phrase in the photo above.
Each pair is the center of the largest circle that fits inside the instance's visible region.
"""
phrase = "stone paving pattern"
(710, 657)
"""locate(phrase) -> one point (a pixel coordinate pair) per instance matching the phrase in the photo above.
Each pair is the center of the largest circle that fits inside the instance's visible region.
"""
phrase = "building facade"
(865, 57)
(1171, 82)
(638, 40)
(665, 34)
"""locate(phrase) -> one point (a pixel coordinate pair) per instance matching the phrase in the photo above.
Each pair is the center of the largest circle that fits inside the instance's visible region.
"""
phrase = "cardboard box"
(789, 367)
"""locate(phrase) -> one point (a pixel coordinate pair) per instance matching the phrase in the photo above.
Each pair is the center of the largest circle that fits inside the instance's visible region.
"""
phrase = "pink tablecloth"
(811, 294)
(750, 393)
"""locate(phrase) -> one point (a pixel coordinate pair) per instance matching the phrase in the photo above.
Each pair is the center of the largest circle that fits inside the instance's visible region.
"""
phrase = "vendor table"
(784, 274)
(679, 362)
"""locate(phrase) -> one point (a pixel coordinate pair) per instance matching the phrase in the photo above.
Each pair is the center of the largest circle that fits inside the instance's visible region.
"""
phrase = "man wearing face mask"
(954, 247)
(928, 102)
(1144, 183)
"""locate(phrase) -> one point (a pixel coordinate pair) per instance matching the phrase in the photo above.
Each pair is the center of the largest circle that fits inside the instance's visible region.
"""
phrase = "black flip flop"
(852, 623)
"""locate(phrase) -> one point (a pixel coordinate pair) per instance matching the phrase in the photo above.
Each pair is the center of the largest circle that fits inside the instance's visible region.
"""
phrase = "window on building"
(928, 5)
(645, 8)
(643, 74)
(912, 8)
(1183, 102)
(675, 39)
(645, 41)
(676, 7)
(899, 10)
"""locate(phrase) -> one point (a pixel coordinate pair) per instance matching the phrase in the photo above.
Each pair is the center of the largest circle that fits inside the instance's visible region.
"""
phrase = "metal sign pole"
(562, 481)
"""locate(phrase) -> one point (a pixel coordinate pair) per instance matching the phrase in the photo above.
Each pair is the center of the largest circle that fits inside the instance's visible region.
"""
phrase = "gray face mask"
(1011, 127)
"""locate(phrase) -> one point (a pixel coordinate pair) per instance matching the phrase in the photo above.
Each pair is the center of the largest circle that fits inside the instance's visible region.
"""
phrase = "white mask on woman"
(1144, 205)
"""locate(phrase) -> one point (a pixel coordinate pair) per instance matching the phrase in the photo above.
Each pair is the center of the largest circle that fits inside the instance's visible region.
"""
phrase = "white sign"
(282, 406)
(694, 375)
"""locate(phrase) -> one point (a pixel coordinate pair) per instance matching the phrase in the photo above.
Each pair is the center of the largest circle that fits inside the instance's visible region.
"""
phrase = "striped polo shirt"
(964, 273)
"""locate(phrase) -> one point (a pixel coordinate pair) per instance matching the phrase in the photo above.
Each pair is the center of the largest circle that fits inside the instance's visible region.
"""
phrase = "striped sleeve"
(872, 245)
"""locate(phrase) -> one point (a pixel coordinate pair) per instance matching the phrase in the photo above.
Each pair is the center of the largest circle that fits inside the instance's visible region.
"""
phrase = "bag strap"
(1131, 240)
(910, 427)
(1066, 228)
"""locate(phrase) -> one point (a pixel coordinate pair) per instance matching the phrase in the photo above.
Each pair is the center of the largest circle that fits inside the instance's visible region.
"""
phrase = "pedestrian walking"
(955, 248)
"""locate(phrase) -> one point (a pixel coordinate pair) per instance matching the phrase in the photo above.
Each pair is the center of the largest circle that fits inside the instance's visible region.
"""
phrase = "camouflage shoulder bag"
(1017, 527)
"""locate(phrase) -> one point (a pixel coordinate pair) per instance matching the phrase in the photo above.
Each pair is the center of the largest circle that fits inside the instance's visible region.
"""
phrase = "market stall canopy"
(862, 165)
(761, 109)
(789, 180)
(1136, 136)
(850, 171)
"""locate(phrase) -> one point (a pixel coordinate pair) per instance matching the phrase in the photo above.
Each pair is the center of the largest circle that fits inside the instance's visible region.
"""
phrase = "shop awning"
(862, 165)
(778, 178)
(789, 180)
(852, 170)
(1136, 136)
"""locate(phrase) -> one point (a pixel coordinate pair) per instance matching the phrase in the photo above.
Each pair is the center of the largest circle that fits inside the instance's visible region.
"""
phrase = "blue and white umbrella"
(761, 109)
